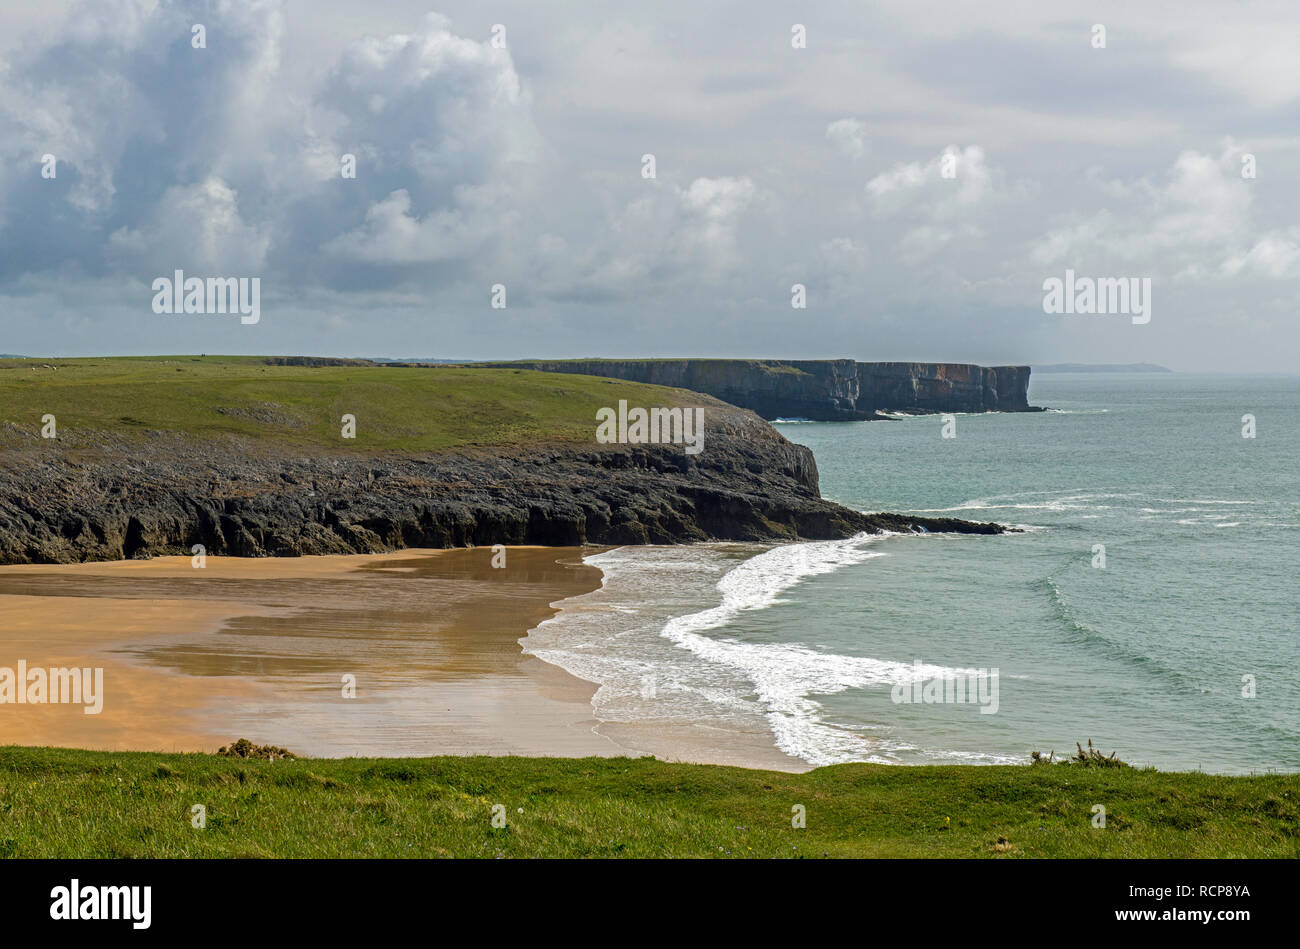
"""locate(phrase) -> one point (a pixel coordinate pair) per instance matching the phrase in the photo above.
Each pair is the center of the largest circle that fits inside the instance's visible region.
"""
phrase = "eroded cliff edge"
(97, 496)
(820, 389)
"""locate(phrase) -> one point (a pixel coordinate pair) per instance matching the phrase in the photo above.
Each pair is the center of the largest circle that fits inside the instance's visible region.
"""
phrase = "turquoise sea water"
(1146, 655)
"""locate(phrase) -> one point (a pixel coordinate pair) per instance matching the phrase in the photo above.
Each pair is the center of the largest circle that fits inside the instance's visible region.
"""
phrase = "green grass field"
(396, 409)
(63, 803)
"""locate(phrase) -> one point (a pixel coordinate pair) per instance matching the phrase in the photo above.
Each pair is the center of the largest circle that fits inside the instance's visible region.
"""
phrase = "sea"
(1147, 601)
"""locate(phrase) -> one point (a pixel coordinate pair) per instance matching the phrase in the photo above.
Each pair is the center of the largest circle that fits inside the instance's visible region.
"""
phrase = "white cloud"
(849, 136)
(1193, 222)
(249, 158)
(449, 107)
(923, 188)
(1275, 256)
(667, 238)
(196, 227)
(477, 165)
(391, 234)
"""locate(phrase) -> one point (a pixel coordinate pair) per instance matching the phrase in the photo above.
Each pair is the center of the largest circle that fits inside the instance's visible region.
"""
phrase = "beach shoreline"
(262, 648)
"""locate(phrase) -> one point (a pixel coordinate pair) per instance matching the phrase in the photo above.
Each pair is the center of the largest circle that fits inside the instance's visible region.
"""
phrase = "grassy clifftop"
(248, 457)
(62, 803)
(397, 409)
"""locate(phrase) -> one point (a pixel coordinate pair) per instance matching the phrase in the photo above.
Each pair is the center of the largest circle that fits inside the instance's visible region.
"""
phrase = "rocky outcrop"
(99, 497)
(821, 389)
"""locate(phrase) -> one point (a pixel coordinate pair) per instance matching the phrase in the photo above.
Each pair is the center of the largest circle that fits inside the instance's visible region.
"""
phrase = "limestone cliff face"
(93, 496)
(822, 389)
(943, 387)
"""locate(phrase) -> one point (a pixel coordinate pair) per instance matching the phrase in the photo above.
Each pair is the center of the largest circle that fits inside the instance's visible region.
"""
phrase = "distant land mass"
(1102, 367)
(828, 390)
(428, 360)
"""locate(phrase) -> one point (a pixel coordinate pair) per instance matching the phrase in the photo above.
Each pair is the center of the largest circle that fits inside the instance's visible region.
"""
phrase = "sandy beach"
(261, 648)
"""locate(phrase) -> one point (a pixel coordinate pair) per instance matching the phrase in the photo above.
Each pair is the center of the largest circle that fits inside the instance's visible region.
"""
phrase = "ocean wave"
(968, 757)
(757, 583)
(1088, 635)
(1077, 501)
(1011, 502)
(645, 623)
(785, 675)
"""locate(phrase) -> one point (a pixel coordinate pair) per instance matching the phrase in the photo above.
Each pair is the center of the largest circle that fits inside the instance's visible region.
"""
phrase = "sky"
(920, 168)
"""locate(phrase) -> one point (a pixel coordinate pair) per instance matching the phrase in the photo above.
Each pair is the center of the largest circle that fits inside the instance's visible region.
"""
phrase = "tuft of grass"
(1084, 759)
(68, 803)
(1092, 758)
(243, 748)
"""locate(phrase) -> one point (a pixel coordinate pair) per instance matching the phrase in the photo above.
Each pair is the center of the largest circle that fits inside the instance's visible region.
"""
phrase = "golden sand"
(194, 658)
(265, 648)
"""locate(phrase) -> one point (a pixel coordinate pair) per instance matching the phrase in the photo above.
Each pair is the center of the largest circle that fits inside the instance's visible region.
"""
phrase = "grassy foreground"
(396, 409)
(64, 803)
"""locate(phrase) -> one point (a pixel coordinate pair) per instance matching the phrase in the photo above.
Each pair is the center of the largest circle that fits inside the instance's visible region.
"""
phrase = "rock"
(92, 496)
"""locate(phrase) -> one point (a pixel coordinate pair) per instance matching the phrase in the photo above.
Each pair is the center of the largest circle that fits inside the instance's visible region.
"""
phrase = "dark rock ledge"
(92, 496)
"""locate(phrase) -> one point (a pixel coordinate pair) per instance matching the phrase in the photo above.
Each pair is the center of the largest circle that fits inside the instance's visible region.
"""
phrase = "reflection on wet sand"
(260, 648)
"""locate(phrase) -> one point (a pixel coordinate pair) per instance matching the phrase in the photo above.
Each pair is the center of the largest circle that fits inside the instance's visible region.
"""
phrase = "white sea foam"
(758, 582)
(785, 675)
(1079, 502)
(645, 622)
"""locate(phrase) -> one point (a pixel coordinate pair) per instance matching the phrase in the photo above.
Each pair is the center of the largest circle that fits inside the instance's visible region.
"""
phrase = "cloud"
(1255, 61)
(1197, 221)
(1275, 256)
(477, 165)
(449, 109)
(213, 158)
(668, 238)
(198, 228)
(842, 253)
(849, 136)
(392, 235)
(925, 188)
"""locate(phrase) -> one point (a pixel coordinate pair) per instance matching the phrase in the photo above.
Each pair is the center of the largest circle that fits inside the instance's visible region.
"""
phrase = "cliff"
(98, 496)
(821, 389)
(942, 387)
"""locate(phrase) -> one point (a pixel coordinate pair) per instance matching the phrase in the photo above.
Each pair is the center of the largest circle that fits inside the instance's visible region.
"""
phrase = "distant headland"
(828, 390)
(1102, 367)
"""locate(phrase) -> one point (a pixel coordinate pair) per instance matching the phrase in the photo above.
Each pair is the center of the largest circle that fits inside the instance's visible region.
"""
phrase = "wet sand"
(194, 658)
